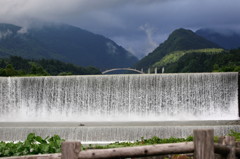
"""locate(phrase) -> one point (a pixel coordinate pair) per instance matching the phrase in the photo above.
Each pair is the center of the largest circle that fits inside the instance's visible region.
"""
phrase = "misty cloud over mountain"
(65, 43)
(127, 22)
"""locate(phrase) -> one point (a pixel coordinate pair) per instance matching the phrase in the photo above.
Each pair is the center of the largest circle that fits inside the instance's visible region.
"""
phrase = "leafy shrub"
(32, 145)
(235, 134)
(37, 145)
(151, 141)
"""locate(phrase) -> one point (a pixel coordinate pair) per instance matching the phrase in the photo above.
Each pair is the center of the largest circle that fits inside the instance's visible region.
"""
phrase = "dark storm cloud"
(138, 25)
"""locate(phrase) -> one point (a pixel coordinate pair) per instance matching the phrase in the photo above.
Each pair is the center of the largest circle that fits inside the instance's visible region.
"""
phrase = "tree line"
(17, 66)
(227, 61)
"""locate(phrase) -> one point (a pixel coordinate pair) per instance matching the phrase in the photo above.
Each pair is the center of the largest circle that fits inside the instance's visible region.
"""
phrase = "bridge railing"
(120, 69)
(132, 69)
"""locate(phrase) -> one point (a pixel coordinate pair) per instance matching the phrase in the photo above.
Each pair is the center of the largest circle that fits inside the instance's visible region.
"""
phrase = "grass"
(176, 55)
(37, 145)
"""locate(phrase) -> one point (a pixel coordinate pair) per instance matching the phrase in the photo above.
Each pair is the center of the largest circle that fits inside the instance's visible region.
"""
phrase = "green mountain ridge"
(65, 43)
(176, 55)
(178, 40)
(183, 51)
(226, 61)
(15, 43)
(17, 66)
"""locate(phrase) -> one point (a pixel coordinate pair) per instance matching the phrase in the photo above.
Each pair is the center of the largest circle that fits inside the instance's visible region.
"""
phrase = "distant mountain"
(228, 39)
(175, 56)
(63, 42)
(209, 60)
(17, 66)
(178, 40)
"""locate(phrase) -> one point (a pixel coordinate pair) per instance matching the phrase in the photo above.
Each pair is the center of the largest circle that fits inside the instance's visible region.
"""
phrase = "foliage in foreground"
(37, 145)
(155, 140)
(32, 145)
(151, 141)
(235, 134)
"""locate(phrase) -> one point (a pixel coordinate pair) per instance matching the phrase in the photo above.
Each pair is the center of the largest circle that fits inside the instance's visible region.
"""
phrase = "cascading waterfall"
(120, 97)
(26, 102)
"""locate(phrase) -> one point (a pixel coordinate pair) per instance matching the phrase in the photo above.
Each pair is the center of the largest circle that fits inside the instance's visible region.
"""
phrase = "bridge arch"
(127, 69)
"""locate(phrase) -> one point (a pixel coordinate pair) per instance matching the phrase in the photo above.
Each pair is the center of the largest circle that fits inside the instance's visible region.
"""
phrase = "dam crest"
(117, 98)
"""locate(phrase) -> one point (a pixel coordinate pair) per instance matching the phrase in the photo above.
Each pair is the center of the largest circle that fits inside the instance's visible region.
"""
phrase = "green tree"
(3, 72)
(10, 71)
(64, 73)
(92, 70)
(2, 64)
(38, 70)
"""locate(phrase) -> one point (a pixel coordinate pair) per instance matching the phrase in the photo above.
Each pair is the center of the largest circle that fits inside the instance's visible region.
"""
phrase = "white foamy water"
(198, 96)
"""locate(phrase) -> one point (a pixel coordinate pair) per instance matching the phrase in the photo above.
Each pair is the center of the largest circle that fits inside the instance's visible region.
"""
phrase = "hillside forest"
(67, 50)
(17, 66)
(200, 60)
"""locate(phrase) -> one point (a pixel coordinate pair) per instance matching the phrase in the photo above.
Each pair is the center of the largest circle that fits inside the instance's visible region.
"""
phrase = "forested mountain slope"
(63, 42)
(178, 40)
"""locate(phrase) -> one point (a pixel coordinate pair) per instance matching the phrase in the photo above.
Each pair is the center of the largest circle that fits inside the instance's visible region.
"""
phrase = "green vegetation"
(227, 61)
(32, 145)
(65, 43)
(235, 134)
(17, 66)
(151, 141)
(176, 55)
(154, 140)
(179, 40)
(185, 51)
(37, 145)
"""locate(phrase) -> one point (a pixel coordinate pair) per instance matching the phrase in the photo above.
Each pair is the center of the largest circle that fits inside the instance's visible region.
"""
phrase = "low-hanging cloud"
(120, 20)
(149, 33)
(4, 34)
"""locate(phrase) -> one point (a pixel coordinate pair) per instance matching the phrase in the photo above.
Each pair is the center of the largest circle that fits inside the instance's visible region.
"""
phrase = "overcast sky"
(137, 25)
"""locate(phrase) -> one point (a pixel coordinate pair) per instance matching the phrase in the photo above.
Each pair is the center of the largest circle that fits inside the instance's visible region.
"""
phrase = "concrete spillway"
(95, 132)
(118, 99)
(205, 96)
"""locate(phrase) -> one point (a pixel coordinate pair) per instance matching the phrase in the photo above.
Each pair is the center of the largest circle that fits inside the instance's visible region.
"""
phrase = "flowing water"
(117, 98)
(120, 97)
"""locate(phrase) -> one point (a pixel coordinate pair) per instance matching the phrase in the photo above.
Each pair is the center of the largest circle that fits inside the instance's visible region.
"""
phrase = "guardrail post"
(203, 144)
(230, 142)
(221, 142)
(70, 150)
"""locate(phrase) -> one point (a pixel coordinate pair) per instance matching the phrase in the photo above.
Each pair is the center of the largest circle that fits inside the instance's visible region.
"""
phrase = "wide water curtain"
(120, 97)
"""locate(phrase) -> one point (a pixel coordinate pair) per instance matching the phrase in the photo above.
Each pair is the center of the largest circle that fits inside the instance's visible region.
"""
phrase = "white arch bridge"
(120, 69)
